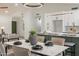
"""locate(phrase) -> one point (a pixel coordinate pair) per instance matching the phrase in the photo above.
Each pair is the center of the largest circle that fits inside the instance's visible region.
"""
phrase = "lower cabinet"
(75, 40)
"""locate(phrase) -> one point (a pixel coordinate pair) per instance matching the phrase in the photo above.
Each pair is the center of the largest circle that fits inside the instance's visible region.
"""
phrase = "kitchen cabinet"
(67, 17)
(50, 22)
(72, 39)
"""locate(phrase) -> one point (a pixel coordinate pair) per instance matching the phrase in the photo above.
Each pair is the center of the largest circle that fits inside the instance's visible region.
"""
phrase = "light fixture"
(2, 27)
(16, 4)
(2, 31)
(6, 11)
(2, 8)
(74, 8)
(33, 5)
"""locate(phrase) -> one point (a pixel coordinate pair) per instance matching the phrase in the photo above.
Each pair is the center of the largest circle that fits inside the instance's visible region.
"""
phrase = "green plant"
(32, 32)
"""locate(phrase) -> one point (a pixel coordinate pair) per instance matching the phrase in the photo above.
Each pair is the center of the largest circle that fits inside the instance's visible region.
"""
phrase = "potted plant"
(32, 37)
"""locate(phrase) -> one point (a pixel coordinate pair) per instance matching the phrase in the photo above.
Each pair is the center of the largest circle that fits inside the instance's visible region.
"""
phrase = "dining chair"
(3, 51)
(58, 41)
(18, 51)
(40, 38)
(21, 51)
(12, 36)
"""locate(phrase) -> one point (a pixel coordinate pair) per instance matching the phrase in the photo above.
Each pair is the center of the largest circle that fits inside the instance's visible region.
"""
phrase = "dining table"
(53, 50)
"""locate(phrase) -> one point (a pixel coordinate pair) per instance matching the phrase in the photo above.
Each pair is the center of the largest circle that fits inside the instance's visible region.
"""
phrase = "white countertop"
(60, 34)
(51, 50)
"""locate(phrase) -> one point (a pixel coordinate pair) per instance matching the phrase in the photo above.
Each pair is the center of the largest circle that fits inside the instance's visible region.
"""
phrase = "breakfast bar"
(67, 37)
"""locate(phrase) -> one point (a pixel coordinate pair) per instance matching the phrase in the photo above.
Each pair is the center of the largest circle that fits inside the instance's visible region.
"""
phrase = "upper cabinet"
(72, 18)
(54, 21)
(76, 17)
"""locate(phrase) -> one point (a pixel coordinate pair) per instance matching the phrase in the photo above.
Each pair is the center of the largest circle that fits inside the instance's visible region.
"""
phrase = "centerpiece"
(32, 37)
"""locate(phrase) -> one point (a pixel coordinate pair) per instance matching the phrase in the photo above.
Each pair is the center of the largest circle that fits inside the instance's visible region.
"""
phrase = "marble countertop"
(60, 34)
(47, 50)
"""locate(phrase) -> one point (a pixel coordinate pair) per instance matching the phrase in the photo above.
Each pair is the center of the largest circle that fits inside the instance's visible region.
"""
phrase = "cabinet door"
(54, 23)
(76, 41)
(67, 21)
(76, 17)
(58, 25)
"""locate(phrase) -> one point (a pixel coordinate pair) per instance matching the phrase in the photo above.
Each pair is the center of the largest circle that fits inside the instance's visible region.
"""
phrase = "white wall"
(19, 20)
(5, 21)
(35, 21)
(20, 26)
(28, 23)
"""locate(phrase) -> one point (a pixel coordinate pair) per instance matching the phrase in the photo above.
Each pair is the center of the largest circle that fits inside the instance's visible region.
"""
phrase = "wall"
(35, 21)
(19, 20)
(28, 23)
(68, 19)
(24, 25)
(30, 20)
(5, 21)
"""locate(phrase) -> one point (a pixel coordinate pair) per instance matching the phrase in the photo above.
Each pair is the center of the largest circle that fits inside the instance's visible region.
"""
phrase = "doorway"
(58, 25)
(14, 27)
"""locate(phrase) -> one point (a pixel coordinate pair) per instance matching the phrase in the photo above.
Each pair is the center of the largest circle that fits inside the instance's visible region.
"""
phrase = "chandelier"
(33, 5)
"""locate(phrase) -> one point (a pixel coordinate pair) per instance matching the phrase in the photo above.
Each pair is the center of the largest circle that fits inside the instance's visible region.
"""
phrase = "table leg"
(63, 53)
(6, 49)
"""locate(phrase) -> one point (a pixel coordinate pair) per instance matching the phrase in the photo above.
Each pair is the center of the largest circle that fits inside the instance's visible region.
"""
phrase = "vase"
(32, 39)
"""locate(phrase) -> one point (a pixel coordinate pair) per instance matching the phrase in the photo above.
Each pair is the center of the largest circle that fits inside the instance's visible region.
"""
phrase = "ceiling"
(48, 7)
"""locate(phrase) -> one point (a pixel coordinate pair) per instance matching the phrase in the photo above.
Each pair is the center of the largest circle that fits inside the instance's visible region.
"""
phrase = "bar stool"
(71, 50)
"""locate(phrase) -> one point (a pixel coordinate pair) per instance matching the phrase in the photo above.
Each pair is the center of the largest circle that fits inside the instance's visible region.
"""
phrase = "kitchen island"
(67, 37)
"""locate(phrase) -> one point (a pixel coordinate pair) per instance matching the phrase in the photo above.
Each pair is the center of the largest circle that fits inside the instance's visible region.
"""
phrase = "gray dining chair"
(18, 51)
(3, 52)
(21, 51)
(15, 51)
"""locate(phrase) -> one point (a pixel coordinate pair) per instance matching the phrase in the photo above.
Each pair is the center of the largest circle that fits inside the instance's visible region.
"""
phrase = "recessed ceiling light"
(6, 11)
(16, 4)
(2, 27)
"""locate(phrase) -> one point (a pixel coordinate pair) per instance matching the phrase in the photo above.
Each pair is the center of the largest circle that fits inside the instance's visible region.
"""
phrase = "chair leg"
(6, 49)
(8, 40)
(63, 53)
(18, 38)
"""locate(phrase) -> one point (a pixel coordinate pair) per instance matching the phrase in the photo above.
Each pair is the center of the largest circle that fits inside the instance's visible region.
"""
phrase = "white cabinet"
(50, 22)
(67, 17)
(76, 17)
(68, 20)
(58, 25)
